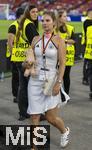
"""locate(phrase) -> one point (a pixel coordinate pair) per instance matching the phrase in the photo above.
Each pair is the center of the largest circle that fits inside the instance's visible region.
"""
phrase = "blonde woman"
(48, 49)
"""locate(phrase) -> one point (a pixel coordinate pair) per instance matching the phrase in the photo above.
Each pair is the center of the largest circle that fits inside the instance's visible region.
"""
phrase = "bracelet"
(30, 63)
(66, 41)
(59, 81)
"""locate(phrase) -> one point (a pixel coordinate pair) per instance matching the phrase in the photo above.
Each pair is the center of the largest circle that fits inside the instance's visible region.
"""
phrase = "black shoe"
(15, 100)
(27, 116)
(90, 96)
(21, 117)
(85, 82)
(42, 117)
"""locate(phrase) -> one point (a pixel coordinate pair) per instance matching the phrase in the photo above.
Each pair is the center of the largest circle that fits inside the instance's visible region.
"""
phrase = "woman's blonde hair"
(64, 26)
(51, 14)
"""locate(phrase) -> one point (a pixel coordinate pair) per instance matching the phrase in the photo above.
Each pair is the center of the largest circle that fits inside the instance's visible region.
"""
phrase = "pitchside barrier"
(5, 63)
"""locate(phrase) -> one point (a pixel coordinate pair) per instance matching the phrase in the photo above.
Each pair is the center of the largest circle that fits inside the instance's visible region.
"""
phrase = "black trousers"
(85, 70)
(15, 79)
(66, 82)
(66, 79)
(22, 92)
(90, 74)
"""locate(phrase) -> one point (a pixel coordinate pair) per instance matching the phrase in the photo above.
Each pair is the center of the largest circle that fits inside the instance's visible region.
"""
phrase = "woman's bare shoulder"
(57, 39)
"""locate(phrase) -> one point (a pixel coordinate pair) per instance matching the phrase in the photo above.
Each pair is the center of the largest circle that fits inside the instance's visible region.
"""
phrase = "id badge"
(42, 74)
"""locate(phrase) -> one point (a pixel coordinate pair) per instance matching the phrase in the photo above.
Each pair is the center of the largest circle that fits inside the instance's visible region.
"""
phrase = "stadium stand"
(6, 1)
(79, 5)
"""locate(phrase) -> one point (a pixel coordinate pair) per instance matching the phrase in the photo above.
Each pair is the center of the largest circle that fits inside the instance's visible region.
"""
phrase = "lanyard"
(43, 52)
(45, 46)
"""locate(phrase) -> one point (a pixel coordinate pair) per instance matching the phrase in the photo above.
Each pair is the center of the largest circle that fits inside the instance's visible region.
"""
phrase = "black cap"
(19, 12)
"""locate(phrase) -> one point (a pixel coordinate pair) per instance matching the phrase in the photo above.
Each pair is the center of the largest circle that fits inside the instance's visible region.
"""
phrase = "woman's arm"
(30, 60)
(62, 58)
(61, 69)
(71, 40)
(30, 55)
(11, 36)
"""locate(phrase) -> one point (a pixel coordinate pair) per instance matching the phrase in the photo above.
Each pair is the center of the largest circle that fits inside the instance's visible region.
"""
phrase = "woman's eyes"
(47, 20)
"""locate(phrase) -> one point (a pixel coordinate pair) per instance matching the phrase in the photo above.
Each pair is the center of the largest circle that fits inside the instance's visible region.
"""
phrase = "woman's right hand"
(56, 89)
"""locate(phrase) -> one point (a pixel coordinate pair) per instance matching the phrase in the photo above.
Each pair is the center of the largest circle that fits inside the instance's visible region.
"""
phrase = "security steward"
(66, 32)
(26, 32)
(10, 43)
(87, 27)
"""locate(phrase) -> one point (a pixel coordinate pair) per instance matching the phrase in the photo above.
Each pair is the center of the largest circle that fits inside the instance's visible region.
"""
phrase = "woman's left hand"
(56, 89)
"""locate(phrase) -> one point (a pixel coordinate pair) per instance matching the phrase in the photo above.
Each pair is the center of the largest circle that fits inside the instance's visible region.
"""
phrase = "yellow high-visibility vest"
(88, 49)
(16, 25)
(19, 49)
(83, 33)
(87, 39)
(70, 53)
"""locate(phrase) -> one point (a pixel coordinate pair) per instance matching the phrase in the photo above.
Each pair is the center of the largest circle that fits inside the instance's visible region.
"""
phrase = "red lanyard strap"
(45, 46)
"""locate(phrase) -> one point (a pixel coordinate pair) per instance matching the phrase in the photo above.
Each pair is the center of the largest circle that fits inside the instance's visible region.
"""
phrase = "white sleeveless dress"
(38, 102)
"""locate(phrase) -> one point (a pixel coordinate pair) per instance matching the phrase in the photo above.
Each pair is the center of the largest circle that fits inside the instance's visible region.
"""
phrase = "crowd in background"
(74, 8)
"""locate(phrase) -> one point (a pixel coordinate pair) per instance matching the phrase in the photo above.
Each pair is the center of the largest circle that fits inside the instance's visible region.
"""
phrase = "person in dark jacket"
(11, 35)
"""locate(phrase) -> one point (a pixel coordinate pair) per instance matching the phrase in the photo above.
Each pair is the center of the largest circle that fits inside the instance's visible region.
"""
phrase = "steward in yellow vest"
(87, 36)
(87, 30)
(27, 30)
(85, 45)
(66, 32)
(70, 54)
(12, 31)
(20, 47)
(18, 52)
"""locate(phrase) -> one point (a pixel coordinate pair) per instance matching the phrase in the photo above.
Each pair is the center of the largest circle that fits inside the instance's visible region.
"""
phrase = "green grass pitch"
(4, 24)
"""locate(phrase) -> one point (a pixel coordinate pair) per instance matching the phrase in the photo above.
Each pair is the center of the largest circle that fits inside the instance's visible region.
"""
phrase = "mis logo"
(27, 136)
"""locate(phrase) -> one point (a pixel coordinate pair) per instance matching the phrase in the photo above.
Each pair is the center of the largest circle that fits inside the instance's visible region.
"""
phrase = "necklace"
(48, 35)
